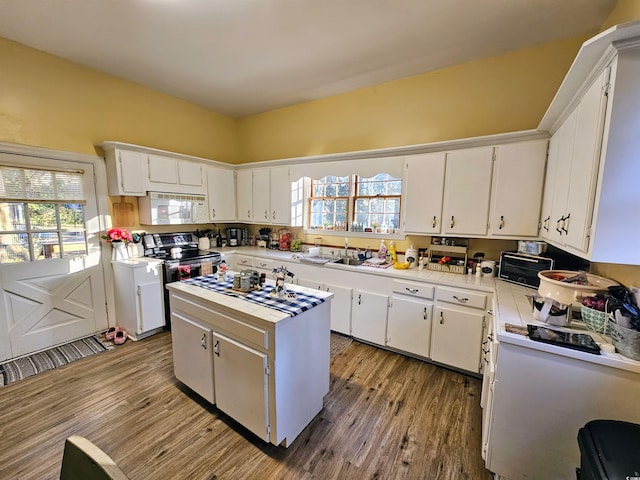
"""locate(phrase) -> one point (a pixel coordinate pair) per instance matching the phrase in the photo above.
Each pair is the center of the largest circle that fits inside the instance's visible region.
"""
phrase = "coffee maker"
(234, 237)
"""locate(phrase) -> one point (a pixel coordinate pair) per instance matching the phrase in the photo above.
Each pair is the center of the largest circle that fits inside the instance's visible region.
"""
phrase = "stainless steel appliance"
(523, 268)
(172, 209)
(182, 259)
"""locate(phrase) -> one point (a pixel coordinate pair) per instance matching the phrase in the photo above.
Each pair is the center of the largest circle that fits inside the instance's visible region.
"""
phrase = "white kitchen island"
(266, 368)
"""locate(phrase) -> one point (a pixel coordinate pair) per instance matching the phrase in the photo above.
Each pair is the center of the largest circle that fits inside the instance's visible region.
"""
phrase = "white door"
(221, 194)
(466, 191)
(280, 196)
(456, 338)
(549, 185)
(51, 281)
(244, 195)
(424, 186)
(262, 195)
(369, 316)
(409, 326)
(340, 308)
(515, 204)
(242, 384)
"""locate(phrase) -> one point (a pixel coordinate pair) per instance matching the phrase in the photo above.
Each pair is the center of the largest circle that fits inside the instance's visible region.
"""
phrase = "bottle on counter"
(382, 252)
(367, 253)
(392, 251)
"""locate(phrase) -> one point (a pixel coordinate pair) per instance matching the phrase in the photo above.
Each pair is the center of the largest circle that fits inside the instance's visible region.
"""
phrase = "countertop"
(510, 304)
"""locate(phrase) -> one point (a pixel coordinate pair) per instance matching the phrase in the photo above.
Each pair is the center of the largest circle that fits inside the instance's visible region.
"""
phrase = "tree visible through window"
(41, 214)
(349, 201)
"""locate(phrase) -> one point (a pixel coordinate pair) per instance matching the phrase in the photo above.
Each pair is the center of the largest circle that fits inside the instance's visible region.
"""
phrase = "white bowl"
(571, 293)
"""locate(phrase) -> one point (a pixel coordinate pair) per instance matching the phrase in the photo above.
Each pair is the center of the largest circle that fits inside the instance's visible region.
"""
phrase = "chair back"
(82, 460)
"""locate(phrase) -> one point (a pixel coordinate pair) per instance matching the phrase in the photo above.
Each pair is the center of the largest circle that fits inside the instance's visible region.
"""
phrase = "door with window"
(51, 281)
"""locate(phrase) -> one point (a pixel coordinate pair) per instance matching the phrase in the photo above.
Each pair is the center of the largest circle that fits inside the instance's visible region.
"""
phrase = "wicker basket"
(595, 320)
(626, 341)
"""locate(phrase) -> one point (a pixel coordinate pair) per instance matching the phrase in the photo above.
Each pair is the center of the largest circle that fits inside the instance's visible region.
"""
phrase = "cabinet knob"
(424, 314)
(203, 341)
(359, 299)
(433, 222)
(453, 222)
(441, 318)
(501, 225)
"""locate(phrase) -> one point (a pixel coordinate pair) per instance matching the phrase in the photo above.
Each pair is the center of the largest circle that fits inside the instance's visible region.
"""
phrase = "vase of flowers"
(118, 238)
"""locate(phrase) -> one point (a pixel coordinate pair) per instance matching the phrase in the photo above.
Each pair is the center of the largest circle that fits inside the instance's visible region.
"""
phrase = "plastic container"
(382, 252)
(411, 256)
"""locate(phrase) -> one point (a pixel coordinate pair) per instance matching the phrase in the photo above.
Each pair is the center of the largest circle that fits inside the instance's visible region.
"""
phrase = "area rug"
(338, 344)
(24, 367)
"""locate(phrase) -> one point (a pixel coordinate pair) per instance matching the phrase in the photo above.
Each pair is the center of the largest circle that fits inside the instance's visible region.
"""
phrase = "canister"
(488, 268)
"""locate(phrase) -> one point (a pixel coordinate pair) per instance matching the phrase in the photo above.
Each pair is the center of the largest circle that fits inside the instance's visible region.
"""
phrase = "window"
(355, 203)
(41, 214)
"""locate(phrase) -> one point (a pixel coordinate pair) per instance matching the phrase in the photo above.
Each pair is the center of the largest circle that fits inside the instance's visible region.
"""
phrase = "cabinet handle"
(248, 213)
(263, 264)
(273, 215)
(461, 299)
(561, 219)
(452, 221)
(564, 224)
(441, 318)
(411, 290)
(433, 222)
(489, 312)
(501, 225)
(424, 315)
(266, 215)
(213, 212)
(359, 299)
(545, 223)
(203, 341)
(216, 348)
(485, 351)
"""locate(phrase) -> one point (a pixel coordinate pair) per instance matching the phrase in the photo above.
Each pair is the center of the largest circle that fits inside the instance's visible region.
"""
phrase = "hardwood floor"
(386, 416)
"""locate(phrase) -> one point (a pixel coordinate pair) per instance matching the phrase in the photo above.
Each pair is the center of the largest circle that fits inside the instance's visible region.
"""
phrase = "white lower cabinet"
(456, 337)
(409, 325)
(193, 355)
(242, 385)
(340, 308)
(369, 316)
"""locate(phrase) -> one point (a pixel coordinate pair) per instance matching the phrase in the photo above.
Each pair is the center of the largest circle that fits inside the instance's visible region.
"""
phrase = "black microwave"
(522, 268)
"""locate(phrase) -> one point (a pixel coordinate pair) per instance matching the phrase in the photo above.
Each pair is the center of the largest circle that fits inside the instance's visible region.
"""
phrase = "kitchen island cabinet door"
(456, 338)
(518, 175)
(242, 384)
(369, 316)
(467, 190)
(409, 325)
(193, 355)
(424, 186)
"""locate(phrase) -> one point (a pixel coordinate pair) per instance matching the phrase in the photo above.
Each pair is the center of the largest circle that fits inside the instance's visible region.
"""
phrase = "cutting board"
(123, 215)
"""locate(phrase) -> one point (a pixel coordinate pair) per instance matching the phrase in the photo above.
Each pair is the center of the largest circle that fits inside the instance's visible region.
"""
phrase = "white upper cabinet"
(244, 195)
(423, 190)
(467, 190)
(261, 195)
(280, 196)
(221, 194)
(167, 174)
(518, 175)
(126, 172)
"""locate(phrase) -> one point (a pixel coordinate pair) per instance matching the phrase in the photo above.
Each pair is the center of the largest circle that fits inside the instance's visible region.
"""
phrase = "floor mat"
(24, 367)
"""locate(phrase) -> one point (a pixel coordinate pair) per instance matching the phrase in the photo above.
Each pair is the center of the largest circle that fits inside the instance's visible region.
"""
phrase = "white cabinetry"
(126, 172)
(458, 326)
(261, 201)
(168, 174)
(369, 316)
(139, 296)
(518, 176)
(423, 190)
(244, 195)
(340, 304)
(467, 191)
(221, 194)
(193, 355)
(409, 323)
(280, 196)
(264, 195)
(242, 383)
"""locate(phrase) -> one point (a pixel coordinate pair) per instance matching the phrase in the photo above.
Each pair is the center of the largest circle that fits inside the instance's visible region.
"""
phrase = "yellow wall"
(624, 11)
(503, 93)
(50, 102)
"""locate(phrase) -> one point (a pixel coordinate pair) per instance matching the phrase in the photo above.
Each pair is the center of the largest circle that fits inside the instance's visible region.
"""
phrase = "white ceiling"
(241, 57)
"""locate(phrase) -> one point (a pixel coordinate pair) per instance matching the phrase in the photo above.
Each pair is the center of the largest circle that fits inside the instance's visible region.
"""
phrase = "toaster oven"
(522, 268)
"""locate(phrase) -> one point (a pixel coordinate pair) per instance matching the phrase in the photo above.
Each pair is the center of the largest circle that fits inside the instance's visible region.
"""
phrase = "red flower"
(118, 235)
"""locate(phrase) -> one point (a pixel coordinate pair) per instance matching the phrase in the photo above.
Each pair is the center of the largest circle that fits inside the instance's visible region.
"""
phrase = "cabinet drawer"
(414, 289)
(244, 261)
(462, 297)
(264, 263)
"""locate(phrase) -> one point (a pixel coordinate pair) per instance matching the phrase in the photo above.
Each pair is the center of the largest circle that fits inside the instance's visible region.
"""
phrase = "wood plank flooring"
(386, 417)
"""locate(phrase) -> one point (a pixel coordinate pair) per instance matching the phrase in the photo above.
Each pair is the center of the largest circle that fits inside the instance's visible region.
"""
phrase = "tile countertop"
(509, 301)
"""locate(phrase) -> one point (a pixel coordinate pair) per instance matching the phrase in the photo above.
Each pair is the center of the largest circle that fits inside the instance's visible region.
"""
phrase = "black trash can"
(609, 450)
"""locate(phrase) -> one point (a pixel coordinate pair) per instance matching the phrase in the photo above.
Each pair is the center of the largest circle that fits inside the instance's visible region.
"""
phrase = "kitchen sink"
(349, 261)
